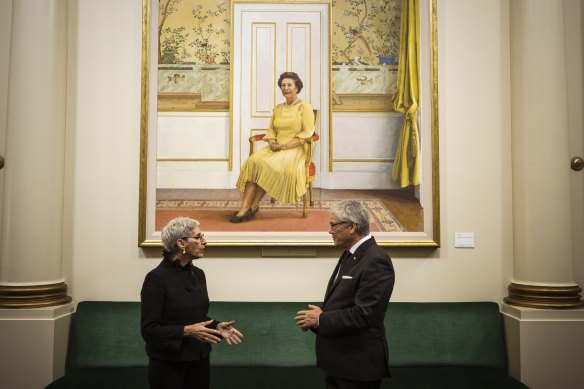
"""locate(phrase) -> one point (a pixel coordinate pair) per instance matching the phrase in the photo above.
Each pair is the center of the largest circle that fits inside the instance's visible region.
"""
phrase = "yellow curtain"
(406, 168)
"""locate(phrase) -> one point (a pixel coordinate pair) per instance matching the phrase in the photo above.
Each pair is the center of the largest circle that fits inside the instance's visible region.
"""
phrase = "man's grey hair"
(352, 211)
(177, 228)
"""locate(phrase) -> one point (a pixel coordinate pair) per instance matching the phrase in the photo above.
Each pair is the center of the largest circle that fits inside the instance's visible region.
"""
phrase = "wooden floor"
(401, 203)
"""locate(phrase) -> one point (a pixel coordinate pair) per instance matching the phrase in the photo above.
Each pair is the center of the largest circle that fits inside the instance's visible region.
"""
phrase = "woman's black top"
(174, 296)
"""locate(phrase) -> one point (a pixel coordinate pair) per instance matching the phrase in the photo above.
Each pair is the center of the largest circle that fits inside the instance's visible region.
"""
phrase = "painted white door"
(269, 39)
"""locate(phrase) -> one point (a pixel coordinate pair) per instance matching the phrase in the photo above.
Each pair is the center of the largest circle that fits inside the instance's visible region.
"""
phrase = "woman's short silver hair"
(177, 228)
(352, 211)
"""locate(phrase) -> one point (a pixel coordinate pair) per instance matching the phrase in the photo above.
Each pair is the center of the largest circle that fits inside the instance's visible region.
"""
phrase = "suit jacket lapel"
(332, 282)
(359, 253)
(362, 249)
(353, 260)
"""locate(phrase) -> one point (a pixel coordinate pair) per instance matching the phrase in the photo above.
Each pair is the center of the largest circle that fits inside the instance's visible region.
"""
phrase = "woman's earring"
(184, 251)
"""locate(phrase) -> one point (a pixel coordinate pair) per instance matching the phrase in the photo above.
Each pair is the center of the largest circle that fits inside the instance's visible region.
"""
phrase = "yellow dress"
(281, 173)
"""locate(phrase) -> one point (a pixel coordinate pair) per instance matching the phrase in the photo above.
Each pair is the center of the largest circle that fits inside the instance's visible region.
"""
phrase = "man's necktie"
(344, 261)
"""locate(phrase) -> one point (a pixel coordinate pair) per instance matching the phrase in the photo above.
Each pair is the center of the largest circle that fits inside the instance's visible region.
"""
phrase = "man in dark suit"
(350, 336)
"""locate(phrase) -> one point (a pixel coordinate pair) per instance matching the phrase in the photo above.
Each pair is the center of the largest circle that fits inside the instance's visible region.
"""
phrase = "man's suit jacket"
(350, 339)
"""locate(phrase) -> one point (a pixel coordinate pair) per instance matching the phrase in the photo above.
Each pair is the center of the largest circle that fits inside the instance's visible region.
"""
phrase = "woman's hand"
(230, 334)
(275, 146)
(203, 334)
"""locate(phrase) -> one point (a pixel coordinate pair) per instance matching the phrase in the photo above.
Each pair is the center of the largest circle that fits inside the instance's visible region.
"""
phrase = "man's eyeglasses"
(198, 237)
(334, 225)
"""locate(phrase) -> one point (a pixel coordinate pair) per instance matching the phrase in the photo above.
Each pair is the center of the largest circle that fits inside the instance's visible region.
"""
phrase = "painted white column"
(542, 217)
(32, 199)
(34, 335)
(542, 207)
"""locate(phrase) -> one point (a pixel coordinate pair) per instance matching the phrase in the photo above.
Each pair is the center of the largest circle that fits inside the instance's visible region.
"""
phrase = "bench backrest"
(446, 334)
(106, 333)
(271, 335)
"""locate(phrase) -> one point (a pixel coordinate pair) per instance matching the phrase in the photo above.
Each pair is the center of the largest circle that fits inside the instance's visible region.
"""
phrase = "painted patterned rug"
(214, 215)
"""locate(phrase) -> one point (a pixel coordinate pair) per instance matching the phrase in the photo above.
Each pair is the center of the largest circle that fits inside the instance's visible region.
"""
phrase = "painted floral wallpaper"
(194, 57)
(193, 32)
(365, 32)
(197, 31)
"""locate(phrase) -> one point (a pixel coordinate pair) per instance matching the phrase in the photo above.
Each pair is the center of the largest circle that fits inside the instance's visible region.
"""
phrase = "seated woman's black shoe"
(253, 212)
(238, 219)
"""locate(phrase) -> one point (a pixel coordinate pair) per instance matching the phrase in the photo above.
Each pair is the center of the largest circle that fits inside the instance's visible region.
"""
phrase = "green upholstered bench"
(432, 345)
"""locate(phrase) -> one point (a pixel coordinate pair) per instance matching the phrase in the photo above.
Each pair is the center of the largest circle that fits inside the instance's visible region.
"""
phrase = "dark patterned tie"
(344, 261)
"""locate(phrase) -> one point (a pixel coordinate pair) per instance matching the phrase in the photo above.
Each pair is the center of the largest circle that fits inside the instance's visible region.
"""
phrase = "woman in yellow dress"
(278, 168)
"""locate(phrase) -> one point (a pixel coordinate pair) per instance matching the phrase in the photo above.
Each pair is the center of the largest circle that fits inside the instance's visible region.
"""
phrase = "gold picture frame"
(428, 191)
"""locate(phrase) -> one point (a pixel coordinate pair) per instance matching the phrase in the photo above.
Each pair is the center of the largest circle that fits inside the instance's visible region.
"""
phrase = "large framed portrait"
(210, 71)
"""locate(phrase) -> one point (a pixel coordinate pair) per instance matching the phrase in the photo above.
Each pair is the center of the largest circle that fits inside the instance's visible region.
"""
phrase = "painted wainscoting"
(193, 151)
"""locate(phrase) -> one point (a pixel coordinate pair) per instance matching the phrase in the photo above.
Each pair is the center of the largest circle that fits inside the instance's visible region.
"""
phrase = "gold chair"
(309, 166)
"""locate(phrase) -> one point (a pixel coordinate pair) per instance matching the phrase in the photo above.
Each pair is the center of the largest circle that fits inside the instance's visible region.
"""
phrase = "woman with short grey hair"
(176, 229)
(175, 324)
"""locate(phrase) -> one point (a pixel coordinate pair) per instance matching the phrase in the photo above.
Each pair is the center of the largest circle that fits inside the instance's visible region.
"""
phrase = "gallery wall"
(101, 257)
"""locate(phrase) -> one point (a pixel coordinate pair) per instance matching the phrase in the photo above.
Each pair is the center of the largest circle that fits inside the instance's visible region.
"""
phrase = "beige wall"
(102, 260)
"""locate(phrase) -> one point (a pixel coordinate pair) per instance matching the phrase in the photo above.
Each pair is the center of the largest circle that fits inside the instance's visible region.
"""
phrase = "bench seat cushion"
(451, 378)
(293, 378)
(266, 378)
(221, 378)
(102, 378)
